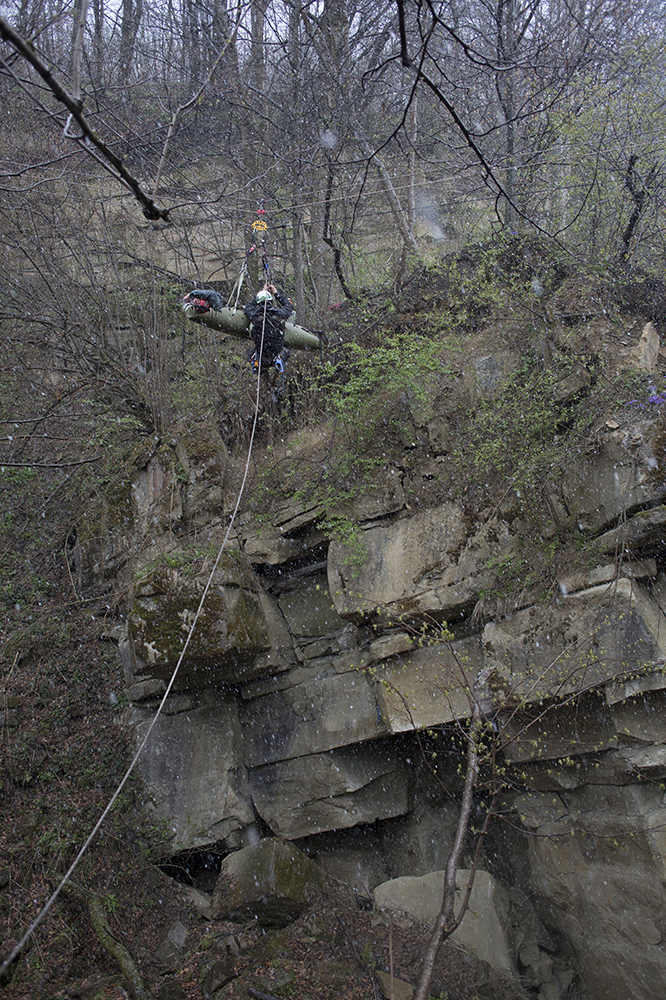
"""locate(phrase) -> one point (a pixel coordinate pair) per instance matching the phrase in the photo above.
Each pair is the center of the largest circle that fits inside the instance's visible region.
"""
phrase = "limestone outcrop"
(323, 699)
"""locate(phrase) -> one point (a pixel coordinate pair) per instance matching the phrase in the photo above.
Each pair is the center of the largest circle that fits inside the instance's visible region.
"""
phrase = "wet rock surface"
(322, 704)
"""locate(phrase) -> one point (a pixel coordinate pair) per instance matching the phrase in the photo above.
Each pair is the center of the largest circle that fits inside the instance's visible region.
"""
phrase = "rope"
(239, 283)
(18, 948)
(261, 350)
(259, 227)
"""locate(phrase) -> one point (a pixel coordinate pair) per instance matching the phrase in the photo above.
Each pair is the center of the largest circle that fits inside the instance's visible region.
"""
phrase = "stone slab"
(393, 988)
(312, 717)
(484, 931)
(581, 725)
(652, 680)
(599, 486)
(392, 563)
(309, 609)
(429, 685)
(331, 791)
(645, 532)
(193, 772)
(596, 875)
(593, 636)
(638, 569)
(642, 718)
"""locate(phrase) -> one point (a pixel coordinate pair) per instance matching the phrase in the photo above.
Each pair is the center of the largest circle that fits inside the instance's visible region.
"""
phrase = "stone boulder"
(429, 685)
(293, 531)
(485, 929)
(424, 565)
(644, 533)
(202, 464)
(267, 882)
(194, 774)
(331, 791)
(645, 354)
(623, 472)
(490, 372)
(597, 871)
(590, 637)
(319, 714)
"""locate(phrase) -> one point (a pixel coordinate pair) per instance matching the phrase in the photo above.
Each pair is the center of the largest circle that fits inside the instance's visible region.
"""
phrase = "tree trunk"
(447, 921)
(411, 189)
(98, 42)
(257, 69)
(295, 57)
(393, 200)
(130, 21)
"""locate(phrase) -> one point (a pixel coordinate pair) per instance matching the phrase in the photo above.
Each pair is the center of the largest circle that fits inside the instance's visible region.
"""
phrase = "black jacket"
(277, 311)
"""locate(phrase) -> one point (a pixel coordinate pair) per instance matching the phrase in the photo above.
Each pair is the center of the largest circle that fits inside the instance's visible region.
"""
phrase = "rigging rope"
(258, 226)
(18, 948)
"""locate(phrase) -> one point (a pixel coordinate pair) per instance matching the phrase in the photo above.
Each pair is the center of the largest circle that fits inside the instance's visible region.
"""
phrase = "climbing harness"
(278, 362)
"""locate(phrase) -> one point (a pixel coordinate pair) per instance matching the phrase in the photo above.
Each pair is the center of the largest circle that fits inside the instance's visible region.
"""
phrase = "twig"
(447, 922)
(69, 570)
(368, 971)
(190, 104)
(47, 465)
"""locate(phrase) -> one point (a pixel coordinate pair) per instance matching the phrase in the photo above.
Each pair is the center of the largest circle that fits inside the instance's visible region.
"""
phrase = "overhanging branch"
(88, 139)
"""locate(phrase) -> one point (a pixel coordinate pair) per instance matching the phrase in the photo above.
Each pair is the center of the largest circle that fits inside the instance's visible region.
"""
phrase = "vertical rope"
(18, 948)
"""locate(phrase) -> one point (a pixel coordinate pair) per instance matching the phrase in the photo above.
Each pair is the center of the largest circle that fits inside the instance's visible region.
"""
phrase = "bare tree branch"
(88, 137)
(446, 921)
(47, 465)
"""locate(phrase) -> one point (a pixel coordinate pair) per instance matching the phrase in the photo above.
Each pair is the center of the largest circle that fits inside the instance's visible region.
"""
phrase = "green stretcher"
(236, 323)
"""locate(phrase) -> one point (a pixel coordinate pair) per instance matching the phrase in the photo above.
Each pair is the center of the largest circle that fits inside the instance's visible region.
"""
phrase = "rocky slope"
(477, 514)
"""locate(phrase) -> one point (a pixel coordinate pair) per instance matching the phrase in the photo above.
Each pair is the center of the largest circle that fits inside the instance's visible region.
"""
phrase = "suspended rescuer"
(267, 313)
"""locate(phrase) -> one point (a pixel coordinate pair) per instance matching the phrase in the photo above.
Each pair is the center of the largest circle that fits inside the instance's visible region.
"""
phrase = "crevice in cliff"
(288, 575)
(638, 508)
(198, 867)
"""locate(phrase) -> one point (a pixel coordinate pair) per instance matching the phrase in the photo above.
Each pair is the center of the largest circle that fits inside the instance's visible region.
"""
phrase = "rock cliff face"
(321, 699)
